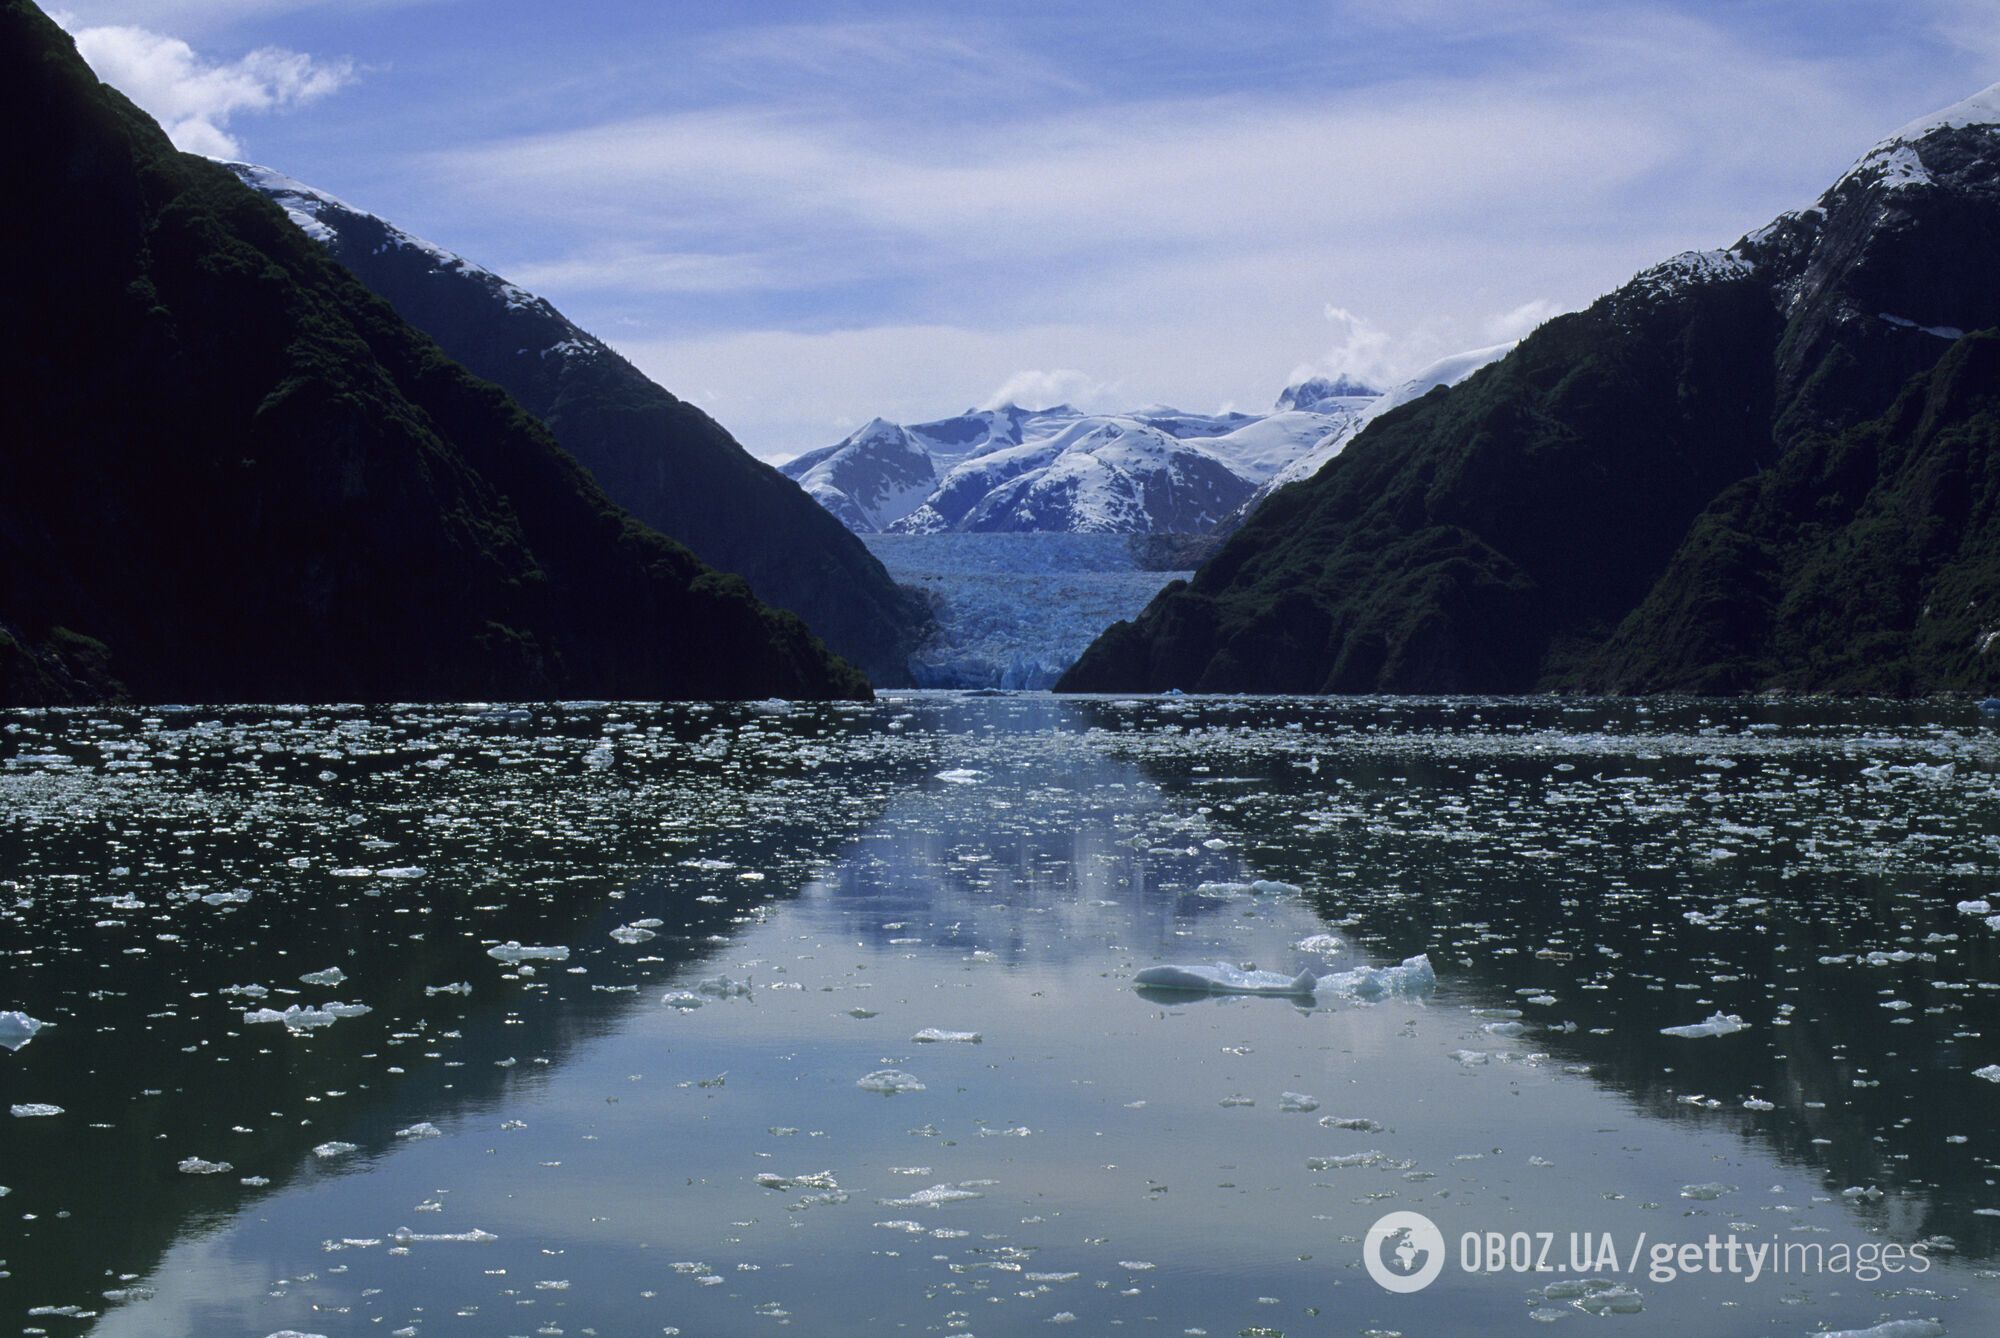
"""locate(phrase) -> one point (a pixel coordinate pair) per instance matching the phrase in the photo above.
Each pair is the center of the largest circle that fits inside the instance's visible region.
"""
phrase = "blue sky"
(801, 216)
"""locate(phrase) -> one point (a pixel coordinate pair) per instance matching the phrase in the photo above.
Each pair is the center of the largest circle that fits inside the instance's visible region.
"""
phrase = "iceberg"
(1718, 1024)
(17, 1029)
(1413, 978)
(1222, 978)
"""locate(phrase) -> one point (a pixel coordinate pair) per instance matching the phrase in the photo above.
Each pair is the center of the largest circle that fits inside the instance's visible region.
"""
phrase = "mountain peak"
(1311, 392)
(1981, 109)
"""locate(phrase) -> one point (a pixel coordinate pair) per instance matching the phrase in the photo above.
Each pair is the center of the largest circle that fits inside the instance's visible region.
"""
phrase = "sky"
(802, 216)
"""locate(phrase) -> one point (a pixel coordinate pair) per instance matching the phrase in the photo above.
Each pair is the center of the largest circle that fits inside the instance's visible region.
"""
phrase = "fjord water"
(605, 1144)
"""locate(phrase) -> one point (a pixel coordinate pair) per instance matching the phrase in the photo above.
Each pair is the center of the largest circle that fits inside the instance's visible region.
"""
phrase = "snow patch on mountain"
(1444, 372)
(310, 208)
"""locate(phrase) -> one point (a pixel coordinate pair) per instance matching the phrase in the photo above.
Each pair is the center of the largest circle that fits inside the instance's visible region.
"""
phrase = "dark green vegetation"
(231, 473)
(1742, 471)
(665, 461)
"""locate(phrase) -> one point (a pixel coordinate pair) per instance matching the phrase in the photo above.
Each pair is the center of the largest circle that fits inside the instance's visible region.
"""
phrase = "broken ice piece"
(889, 1082)
(330, 977)
(514, 951)
(424, 1129)
(932, 1034)
(17, 1029)
(632, 934)
(30, 1109)
(328, 1150)
(197, 1166)
(1718, 1024)
(1297, 1102)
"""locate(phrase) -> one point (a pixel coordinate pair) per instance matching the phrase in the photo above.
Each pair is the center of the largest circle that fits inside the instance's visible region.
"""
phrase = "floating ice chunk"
(458, 987)
(1412, 978)
(236, 898)
(1324, 944)
(1718, 1024)
(632, 934)
(405, 1236)
(1222, 978)
(814, 1180)
(722, 987)
(962, 776)
(930, 1034)
(1757, 1103)
(196, 1166)
(930, 1198)
(405, 871)
(1347, 1162)
(247, 991)
(17, 1029)
(293, 1333)
(1864, 1194)
(1980, 907)
(1714, 1189)
(889, 1082)
(1471, 1058)
(304, 1019)
(330, 977)
(512, 951)
(682, 999)
(30, 1109)
(1893, 1328)
(1358, 1124)
(327, 1151)
(1297, 1103)
(1991, 1073)
(422, 1129)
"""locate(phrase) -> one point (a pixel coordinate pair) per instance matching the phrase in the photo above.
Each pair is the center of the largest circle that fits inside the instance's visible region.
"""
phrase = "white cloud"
(1510, 326)
(194, 99)
(1046, 389)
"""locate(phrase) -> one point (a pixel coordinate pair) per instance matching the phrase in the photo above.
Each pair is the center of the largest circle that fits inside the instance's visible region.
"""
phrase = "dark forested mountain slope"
(1767, 467)
(664, 460)
(229, 472)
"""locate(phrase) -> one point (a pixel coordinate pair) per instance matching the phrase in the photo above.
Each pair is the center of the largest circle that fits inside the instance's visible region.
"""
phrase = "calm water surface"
(602, 1144)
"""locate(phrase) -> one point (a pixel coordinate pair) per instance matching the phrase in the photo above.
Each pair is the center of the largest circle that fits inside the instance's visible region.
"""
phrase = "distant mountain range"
(1010, 469)
(1775, 466)
(664, 460)
(232, 474)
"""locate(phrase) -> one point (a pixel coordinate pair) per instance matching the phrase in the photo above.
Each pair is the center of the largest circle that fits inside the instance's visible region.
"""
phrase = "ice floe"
(513, 951)
(889, 1082)
(1716, 1024)
(17, 1029)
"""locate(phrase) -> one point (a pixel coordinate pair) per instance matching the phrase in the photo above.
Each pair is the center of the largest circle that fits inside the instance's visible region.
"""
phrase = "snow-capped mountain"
(1767, 467)
(1011, 470)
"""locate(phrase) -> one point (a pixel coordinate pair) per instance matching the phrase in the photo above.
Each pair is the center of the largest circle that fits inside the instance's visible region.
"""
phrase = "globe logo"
(1403, 1252)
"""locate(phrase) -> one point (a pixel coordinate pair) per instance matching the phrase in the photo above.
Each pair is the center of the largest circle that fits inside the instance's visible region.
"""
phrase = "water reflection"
(1001, 867)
